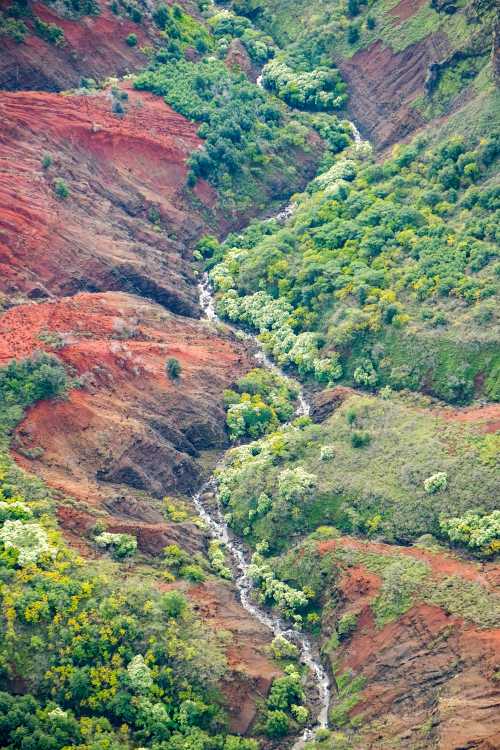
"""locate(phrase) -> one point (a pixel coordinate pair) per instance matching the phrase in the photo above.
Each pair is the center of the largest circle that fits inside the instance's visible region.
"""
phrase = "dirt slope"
(128, 433)
(94, 47)
(125, 224)
(429, 676)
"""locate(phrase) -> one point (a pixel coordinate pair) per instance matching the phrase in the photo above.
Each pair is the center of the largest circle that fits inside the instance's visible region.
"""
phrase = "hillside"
(249, 375)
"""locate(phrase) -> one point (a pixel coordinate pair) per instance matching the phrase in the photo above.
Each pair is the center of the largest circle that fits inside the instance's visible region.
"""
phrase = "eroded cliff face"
(392, 83)
(428, 677)
(94, 47)
(127, 431)
(126, 223)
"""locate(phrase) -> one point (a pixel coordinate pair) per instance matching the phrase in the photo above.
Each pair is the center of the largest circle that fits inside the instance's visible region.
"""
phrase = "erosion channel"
(217, 526)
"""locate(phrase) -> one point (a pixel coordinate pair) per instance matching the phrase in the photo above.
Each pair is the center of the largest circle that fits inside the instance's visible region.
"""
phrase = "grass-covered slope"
(364, 470)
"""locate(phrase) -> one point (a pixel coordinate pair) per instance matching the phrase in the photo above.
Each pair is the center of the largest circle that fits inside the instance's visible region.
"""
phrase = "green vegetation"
(246, 137)
(173, 368)
(49, 31)
(61, 189)
(226, 25)
(284, 704)
(106, 661)
(13, 27)
(281, 485)
(479, 533)
(381, 275)
(131, 40)
(260, 402)
(46, 161)
(321, 89)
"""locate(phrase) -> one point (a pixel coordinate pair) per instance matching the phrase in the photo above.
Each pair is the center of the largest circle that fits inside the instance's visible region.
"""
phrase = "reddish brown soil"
(405, 9)
(117, 170)
(429, 676)
(485, 418)
(251, 671)
(442, 565)
(383, 83)
(129, 434)
(94, 47)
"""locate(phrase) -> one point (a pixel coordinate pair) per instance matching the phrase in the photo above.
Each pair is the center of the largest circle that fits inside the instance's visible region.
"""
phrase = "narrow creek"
(213, 517)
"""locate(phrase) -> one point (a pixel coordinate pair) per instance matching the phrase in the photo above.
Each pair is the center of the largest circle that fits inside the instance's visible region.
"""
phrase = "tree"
(173, 603)
(61, 189)
(277, 724)
(173, 368)
(352, 34)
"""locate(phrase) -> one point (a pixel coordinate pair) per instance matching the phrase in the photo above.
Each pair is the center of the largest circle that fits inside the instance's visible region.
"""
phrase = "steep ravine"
(218, 528)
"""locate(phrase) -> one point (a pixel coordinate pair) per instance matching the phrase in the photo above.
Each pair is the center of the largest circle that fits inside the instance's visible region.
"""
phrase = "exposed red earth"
(128, 433)
(429, 676)
(125, 225)
(94, 46)
(251, 669)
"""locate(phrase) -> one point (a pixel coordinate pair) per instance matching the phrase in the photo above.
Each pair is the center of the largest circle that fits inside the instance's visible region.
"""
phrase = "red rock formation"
(122, 173)
(94, 47)
(429, 676)
(128, 433)
(383, 83)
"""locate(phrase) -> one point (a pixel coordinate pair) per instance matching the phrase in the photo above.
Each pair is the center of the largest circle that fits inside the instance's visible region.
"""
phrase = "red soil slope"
(94, 47)
(128, 434)
(383, 83)
(118, 170)
(429, 676)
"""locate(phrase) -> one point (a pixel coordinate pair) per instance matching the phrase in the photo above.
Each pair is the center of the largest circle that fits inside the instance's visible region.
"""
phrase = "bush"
(327, 452)
(28, 540)
(61, 189)
(352, 34)
(277, 724)
(282, 648)
(131, 40)
(436, 482)
(174, 604)
(49, 31)
(360, 439)
(46, 161)
(479, 533)
(173, 368)
(120, 545)
(29, 380)
(193, 573)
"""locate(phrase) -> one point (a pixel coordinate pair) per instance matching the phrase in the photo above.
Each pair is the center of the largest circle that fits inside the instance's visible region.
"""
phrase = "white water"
(218, 528)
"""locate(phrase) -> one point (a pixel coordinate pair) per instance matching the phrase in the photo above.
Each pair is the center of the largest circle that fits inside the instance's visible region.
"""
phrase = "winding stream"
(218, 528)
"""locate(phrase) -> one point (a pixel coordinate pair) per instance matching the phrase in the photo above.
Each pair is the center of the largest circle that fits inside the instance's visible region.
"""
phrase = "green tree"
(173, 368)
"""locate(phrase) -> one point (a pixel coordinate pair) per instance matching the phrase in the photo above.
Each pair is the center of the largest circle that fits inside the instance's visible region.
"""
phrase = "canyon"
(105, 281)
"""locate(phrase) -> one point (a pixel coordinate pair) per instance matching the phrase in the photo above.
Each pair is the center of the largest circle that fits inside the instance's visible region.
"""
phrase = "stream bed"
(214, 519)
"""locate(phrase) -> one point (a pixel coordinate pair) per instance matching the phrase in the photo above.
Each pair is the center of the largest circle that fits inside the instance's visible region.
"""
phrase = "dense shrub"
(173, 368)
(61, 189)
(262, 400)
(367, 276)
(479, 533)
(49, 31)
(317, 90)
